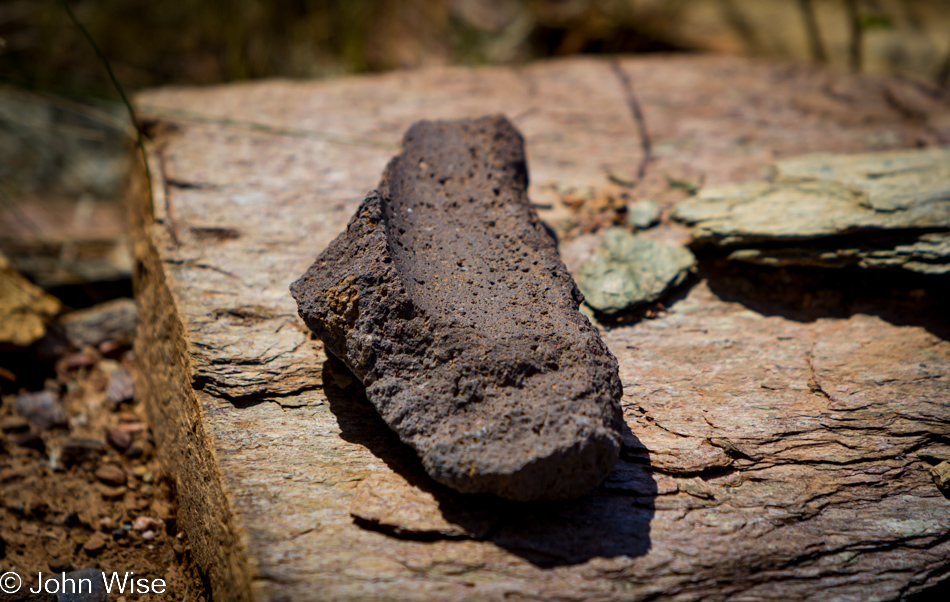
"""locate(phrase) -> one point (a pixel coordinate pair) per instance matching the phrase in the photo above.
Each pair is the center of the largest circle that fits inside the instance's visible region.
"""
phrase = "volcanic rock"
(446, 297)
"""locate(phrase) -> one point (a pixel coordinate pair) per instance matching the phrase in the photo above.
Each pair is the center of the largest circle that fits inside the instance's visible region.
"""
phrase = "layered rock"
(873, 210)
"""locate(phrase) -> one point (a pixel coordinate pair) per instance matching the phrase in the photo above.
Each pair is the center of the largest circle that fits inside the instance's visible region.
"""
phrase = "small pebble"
(139, 449)
(118, 439)
(148, 535)
(60, 565)
(111, 493)
(111, 475)
(79, 360)
(95, 544)
(43, 409)
(8, 474)
(94, 577)
(941, 476)
(145, 523)
(110, 321)
(107, 524)
(30, 440)
(121, 386)
(642, 214)
(14, 424)
(109, 347)
(139, 470)
(79, 449)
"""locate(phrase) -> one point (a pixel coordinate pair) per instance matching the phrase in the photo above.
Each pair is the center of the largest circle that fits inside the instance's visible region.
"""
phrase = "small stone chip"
(941, 475)
(43, 409)
(14, 424)
(121, 386)
(95, 544)
(118, 438)
(111, 475)
(629, 270)
(642, 214)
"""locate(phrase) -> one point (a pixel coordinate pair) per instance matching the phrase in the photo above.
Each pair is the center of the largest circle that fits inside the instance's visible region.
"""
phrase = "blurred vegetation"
(210, 41)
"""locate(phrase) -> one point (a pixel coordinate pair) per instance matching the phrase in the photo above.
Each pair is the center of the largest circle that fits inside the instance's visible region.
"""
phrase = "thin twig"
(645, 143)
(855, 45)
(140, 137)
(814, 34)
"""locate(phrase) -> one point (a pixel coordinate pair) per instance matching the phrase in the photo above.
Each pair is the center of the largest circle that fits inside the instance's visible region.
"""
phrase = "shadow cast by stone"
(613, 520)
(896, 296)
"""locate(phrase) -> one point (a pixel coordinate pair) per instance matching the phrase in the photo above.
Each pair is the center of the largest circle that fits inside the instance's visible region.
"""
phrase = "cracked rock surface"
(446, 297)
(786, 430)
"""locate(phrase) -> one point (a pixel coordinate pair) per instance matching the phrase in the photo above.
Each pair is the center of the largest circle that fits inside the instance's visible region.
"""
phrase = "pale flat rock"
(889, 209)
(903, 181)
(765, 455)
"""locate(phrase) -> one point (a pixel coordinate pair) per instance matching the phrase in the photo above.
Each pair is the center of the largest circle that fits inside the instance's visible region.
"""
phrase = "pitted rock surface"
(446, 297)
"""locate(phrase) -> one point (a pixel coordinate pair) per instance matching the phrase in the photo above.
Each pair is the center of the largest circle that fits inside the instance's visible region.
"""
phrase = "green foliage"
(870, 22)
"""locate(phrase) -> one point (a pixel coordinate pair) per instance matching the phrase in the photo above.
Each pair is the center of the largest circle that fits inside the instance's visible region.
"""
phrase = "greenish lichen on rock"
(629, 270)
(642, 214)
(871, 210)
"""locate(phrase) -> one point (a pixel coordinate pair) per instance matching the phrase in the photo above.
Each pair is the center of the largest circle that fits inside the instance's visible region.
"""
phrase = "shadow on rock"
(613, 520)
(896, 296)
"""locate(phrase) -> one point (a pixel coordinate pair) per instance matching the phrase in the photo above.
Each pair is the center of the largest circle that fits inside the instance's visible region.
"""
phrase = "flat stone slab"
(874, 210)
(778, 447)
(446, 297)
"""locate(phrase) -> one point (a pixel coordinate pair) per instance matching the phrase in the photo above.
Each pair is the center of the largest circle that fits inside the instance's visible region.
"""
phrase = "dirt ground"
(86, 491)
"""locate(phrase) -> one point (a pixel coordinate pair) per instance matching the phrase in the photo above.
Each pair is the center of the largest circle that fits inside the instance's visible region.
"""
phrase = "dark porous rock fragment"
(447, 298)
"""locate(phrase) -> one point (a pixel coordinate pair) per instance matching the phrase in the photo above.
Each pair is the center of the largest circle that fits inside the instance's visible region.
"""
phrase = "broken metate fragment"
(446, 297)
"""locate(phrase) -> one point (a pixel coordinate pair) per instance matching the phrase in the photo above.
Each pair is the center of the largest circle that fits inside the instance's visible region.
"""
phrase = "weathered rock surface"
(447, 298)
(889, 209)
(628, 270)
(777, 450)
